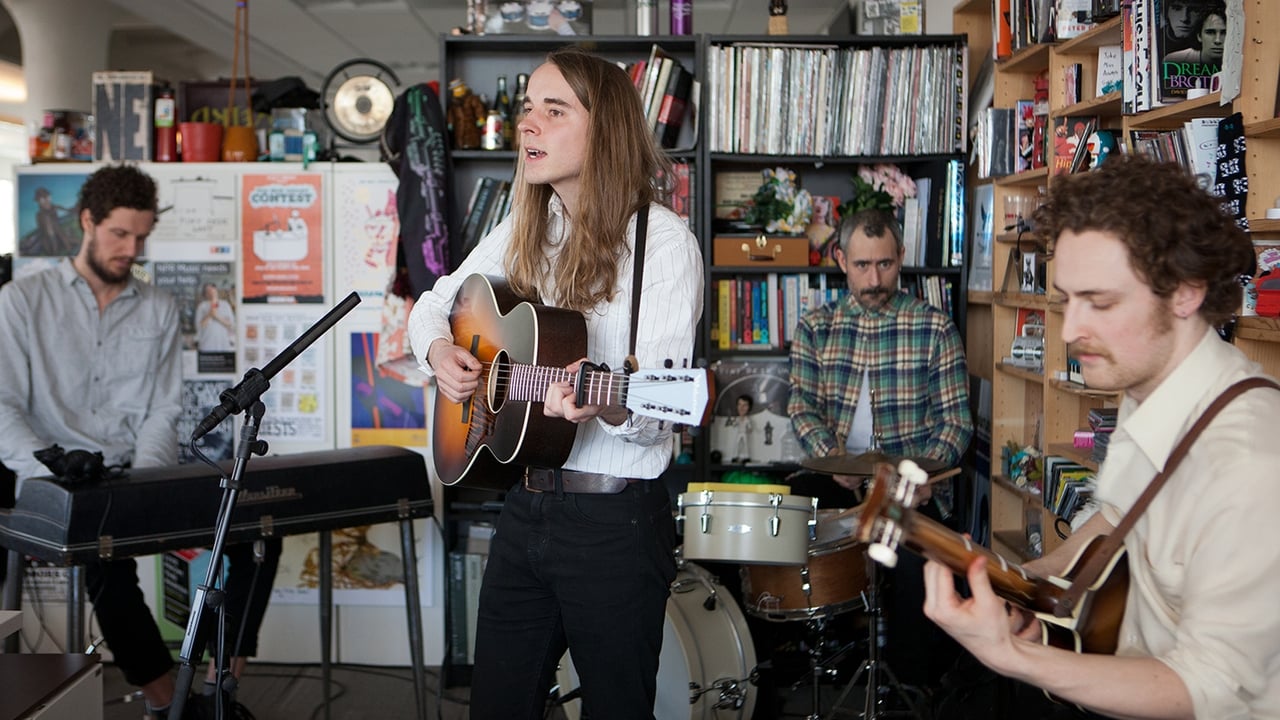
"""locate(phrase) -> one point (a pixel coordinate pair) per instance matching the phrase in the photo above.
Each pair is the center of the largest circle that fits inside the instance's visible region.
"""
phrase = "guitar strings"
(614, 382)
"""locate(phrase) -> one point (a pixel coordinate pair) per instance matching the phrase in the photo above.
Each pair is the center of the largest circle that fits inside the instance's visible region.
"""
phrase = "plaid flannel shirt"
(916, 366)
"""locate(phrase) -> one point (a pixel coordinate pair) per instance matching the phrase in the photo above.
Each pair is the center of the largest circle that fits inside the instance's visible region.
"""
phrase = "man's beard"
(104, 273)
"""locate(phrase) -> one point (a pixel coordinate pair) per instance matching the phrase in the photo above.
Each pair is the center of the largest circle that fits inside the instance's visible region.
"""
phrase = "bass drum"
(706, 658)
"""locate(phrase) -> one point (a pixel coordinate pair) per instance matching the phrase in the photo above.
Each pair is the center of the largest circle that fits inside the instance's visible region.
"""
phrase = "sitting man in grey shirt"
(90, 359)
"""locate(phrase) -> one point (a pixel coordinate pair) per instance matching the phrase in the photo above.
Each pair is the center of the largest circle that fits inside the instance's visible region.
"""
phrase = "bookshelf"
(1038, 409)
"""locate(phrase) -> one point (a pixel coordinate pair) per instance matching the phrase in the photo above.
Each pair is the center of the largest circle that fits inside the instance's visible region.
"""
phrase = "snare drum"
(706, 655)
(746, 523)
(832, 582)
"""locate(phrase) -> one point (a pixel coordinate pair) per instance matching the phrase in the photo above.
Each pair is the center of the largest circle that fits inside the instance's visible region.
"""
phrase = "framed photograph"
(513, 17)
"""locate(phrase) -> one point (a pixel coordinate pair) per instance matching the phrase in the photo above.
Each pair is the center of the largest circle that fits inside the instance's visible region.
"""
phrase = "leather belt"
(572, 481)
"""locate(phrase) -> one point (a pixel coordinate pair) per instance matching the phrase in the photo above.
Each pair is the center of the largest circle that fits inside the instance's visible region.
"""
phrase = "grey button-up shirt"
(84, 379)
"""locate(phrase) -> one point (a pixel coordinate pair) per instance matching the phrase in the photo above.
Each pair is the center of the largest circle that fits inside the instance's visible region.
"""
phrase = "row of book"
(778, 100)
(1017, 24)
(1169, 51)
(1102, 422)
(1194, 146)
(755, 313)
(668, 93)
(761, 312)
(1068, 485)
(466, 570)
(490, 202)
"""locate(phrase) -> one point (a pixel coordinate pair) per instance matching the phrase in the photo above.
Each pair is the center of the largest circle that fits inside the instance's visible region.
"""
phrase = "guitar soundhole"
(499, 380)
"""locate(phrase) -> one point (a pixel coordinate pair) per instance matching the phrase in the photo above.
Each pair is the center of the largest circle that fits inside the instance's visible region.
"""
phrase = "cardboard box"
(763, 250)
(123, 111)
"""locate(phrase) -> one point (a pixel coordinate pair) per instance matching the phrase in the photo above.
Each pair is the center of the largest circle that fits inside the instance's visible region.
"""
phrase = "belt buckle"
(527, 487)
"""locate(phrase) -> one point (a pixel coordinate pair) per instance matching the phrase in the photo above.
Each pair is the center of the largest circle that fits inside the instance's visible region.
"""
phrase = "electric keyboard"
(154, 510)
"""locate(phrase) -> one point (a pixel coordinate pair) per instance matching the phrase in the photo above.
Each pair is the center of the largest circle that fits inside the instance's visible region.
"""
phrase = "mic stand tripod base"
(873, 667)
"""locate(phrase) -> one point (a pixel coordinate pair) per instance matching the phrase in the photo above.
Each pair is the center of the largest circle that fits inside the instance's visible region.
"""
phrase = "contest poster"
(384, 411)
(281, 237)
(366, 229)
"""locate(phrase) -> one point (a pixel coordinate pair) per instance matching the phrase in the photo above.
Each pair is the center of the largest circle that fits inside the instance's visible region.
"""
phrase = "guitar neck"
(529, 383)
(933, 540)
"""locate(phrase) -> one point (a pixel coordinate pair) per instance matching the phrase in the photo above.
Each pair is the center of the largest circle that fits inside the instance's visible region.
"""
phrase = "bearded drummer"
(881, 370)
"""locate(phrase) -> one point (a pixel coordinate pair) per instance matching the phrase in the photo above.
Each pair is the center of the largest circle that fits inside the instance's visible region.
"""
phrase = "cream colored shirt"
(1204, 597)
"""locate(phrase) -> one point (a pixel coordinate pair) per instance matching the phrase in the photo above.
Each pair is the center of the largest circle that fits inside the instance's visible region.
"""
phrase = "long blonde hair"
(620, 174)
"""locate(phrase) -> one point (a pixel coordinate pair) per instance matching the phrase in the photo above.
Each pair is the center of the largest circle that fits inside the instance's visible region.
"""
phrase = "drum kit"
(798, 563)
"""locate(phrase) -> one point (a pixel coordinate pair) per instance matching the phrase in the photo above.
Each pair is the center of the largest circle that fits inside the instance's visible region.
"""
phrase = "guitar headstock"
(890, 494)
(678, 395)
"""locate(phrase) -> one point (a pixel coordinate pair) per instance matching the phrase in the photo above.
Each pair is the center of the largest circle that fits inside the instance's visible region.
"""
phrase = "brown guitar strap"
(1110, 545)
(642, 230)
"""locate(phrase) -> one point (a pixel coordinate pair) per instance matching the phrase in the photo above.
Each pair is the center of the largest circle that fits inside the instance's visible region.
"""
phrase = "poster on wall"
(206, 295)
(281, 237)
(199, 397)
(384, 411)
(46, 206)
(368, 567)
(750, 425)
(298, 402)
(366, 228)
(197, 214)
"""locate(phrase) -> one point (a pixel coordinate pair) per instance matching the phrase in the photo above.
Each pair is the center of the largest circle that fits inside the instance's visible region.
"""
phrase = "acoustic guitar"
(524, 347)
(886, 521)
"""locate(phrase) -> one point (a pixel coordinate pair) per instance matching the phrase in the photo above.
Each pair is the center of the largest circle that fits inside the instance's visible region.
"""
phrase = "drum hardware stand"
(820, 663)
(873, 666)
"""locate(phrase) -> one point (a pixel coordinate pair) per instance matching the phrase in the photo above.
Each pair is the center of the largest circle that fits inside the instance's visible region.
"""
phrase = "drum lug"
(775, 524)
(704, 522)
(813, 520)
(804, 581)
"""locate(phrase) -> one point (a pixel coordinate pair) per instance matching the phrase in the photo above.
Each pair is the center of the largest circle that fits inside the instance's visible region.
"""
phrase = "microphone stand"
(245, 397)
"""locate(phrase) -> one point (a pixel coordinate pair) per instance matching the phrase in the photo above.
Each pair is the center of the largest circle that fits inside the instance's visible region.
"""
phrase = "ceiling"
(194, 39)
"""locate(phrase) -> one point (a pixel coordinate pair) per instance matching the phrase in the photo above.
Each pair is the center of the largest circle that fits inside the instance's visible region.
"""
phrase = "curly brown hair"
(1175, 231)
(623, 170)
(116, 186)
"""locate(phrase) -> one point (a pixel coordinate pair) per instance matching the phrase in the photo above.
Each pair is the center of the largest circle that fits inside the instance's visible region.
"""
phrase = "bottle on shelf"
(502, 104)
(517, 108)
(166, 148)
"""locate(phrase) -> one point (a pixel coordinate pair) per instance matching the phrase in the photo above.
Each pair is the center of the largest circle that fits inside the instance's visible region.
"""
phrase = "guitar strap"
(1110, 545)
(642, 230)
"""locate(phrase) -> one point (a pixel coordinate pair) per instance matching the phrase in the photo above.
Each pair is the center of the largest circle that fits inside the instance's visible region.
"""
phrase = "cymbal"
(865, 464)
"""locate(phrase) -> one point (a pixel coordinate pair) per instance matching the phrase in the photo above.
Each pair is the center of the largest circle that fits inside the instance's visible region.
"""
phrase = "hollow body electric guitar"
(524, 347)
(886, 521)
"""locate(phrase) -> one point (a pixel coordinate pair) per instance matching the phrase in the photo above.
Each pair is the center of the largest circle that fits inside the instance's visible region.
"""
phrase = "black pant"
(131, 631)
(588, 572)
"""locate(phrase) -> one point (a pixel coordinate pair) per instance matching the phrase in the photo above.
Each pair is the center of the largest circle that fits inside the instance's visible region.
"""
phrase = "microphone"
(239, 398)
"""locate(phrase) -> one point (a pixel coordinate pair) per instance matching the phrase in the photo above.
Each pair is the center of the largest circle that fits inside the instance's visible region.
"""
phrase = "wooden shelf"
(1021, 300)
(1109, 105)
(1030, 59)
(1015, 371)
(1087, 43)
(1078, 389)
(1074, 454)
(1172, 116)
(980, 297)
(1029, 497)
(1032, 178)
(1265, 329)
(1011, 238)
(1263, 129)
(1263, 225)
(972, 7)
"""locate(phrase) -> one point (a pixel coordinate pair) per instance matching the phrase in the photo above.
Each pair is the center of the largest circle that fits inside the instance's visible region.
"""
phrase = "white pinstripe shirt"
(670, 306)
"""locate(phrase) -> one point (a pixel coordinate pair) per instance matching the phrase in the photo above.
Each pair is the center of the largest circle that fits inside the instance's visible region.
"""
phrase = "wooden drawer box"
(745, 250)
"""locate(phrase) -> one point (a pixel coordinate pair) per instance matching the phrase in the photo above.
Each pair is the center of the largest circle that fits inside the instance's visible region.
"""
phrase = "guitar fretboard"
(528, 383)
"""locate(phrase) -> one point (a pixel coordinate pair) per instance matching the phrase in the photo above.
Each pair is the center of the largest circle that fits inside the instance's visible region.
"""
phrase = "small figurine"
(777, 17)
(466, 116)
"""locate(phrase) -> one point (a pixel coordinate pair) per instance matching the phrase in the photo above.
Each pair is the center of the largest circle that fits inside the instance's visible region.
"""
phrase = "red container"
(200, 141)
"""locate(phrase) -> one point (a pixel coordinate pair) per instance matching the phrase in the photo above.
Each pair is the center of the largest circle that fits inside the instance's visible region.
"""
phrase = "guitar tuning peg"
(910, 472)
(668, 364)
(883, 554)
